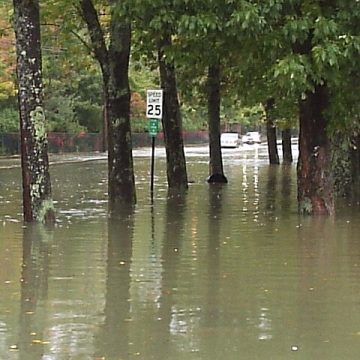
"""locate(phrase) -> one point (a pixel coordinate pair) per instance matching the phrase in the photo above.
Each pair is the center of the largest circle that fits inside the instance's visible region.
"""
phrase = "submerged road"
(243, 153)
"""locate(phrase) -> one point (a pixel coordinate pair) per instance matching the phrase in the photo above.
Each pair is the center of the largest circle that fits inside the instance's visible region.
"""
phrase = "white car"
(252, 137)
(229, 140)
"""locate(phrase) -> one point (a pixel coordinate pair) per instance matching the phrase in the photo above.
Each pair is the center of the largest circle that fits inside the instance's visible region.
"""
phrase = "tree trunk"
(120, 160)
(216, 171)
(341, 164)
(354, 154)
(271, 134)
(37, 200)
(355, 158)
(172, 122)
(315, 185)
(104, 127)
(286, 146)
(114, 63)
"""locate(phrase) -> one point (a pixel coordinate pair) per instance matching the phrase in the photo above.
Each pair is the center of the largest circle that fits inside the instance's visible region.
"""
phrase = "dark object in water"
(217, 179)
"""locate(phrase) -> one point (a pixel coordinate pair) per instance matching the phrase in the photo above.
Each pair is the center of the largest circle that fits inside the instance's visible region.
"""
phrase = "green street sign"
(153, 127)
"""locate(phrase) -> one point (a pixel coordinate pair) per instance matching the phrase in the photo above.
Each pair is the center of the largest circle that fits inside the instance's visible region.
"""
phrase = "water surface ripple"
(225, 272)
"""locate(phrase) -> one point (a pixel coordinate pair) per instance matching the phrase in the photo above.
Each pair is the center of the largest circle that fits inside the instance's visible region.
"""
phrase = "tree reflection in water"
(113, 340)
(34, 291)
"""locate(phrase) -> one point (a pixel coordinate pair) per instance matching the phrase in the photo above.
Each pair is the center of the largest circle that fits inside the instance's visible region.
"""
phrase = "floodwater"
(227, 272)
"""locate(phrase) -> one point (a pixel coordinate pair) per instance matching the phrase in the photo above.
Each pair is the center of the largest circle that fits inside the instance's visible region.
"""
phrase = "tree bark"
(37, 199)
(355, 158)
(271, 133)
(120, 160)
(341, 165)
(104, 128)
(315, 184)
(314, 178)
(216, 170)
(114, 63)
(354, 155)
(172, 122)
(286, 146)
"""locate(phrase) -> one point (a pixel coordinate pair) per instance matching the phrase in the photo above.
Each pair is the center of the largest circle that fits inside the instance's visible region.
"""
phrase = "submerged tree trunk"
(120, 160)
(216, 171)
(286, 146)
(114, 63)
(105, 122)
(271, 133)
(37, 200)
(315, 185)
(172, 122)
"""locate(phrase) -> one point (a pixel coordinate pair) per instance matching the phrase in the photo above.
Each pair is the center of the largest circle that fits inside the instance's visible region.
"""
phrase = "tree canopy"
(280, 49)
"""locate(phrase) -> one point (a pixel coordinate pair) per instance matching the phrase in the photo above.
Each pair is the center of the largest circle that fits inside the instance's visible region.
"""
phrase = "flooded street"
(227, 272)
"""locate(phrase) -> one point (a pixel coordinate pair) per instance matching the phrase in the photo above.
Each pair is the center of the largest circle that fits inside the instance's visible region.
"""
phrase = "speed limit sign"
(154, 104)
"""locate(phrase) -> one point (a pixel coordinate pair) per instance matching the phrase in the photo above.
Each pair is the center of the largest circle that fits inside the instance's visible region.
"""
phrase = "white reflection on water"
(264, 324)
(184, 326)
(146, 282)
(146, 266)
(250, 190)
(72, 336)
(3, 337)
(256, 187)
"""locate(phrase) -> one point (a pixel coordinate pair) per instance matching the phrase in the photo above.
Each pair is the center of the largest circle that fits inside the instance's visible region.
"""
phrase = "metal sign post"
(154, 109)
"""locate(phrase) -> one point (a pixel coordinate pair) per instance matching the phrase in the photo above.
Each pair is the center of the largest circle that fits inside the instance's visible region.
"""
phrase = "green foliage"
(139, 124)
(73, 96)
(278, 48)
(9, 120)
(89, 115)
(88, 107)
(73, 108)
(291, 73)
(60, 114)
(194, 118)
(285, 113)
(142, 77)
(7, 89)
(251, 117)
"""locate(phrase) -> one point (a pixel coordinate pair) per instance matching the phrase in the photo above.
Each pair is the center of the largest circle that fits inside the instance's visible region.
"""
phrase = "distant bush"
(9, 120)
(60, 115)
(89, 115)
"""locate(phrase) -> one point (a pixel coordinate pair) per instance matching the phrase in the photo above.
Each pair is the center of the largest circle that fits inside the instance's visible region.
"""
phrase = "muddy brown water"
(226, 272)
